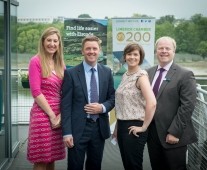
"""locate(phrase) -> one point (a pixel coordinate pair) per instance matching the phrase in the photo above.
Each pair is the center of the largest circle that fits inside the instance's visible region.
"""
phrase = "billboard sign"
(75, 30)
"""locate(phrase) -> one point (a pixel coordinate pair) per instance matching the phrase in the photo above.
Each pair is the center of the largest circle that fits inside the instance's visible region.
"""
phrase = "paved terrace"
(111, 158)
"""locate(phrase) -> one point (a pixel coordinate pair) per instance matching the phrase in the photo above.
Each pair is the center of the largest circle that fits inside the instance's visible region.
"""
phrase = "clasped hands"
(55, 121)
(93, 108)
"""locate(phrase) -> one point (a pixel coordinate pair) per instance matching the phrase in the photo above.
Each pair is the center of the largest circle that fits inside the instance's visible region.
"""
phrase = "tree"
(164, 29)
(31, 32)
(84, 16)
(196, 18)
(167, 18)
(186, 37)
(201, 26)
(202, 49)
(136, 15)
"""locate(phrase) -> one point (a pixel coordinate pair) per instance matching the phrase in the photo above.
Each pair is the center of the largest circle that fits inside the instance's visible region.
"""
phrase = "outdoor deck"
(197, 152)
(111, 159)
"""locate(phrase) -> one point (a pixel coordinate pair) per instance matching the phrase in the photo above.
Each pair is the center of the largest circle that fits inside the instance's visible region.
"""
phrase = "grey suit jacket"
(75, 97)
(176, 100)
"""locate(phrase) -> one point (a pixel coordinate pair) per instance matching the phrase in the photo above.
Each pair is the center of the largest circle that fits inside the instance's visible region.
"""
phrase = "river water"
(25, 100)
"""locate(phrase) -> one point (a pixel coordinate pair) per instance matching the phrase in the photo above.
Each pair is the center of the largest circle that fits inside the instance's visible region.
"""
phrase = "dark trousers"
(90, 144)
(131, 147)
(161, 158)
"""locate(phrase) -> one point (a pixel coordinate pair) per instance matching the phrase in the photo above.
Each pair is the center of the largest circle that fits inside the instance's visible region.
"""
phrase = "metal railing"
(197, 152)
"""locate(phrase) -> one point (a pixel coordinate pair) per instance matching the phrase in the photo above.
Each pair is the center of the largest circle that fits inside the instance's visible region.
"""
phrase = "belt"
(91, 120)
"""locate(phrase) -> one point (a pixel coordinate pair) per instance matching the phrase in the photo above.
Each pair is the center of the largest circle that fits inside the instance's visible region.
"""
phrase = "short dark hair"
(91, 38)
(134, 46)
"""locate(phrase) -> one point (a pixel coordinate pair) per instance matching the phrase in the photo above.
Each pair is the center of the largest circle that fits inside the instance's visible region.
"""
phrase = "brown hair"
(134, 46)
(91, 38)
(58, 55)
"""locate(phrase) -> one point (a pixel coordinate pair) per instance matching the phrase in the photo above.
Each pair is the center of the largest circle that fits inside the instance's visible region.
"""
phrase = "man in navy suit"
(171, 129)
(85, 124)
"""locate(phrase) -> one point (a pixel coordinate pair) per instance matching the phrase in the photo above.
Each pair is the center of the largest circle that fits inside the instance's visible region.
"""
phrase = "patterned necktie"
(157, 82)
(94, 92)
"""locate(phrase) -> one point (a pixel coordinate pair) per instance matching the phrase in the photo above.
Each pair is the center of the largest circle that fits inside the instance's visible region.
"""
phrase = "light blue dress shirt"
(87, 70)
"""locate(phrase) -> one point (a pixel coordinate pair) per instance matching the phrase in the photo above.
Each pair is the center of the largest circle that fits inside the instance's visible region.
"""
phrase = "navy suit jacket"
(75, 97)
(176, 101)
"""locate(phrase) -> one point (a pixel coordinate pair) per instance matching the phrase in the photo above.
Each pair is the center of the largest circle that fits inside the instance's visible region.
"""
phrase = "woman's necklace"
(128, 73)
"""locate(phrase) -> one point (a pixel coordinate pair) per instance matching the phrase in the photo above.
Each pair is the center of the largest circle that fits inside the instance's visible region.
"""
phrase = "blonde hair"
(166, 38)
(58, 55)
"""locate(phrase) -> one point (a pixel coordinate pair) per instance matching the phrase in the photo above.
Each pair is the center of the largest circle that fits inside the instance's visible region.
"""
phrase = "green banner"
(75, 30)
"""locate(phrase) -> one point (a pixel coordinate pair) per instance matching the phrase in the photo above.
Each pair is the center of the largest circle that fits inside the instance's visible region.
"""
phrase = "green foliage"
(136, 15)
(167, 18)
(190, 35)
(84, 16)
(186, 37)
(164, 29)
(187, 33)
(109, 36)
(23, 75)
(202, 49)
(72, 60)
(28, 35)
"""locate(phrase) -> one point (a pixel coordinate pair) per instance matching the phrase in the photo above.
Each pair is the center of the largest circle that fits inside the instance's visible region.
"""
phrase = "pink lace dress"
(44, 144)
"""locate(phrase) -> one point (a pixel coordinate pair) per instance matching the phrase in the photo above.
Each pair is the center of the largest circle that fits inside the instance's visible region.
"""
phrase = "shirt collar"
(87, 67)
(167, 67)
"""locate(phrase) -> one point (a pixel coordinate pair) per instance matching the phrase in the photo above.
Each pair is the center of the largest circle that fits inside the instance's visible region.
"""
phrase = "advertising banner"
(75, 30)
(126, 30)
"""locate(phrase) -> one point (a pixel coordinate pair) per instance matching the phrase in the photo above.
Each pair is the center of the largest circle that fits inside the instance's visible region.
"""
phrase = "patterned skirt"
(45, 145)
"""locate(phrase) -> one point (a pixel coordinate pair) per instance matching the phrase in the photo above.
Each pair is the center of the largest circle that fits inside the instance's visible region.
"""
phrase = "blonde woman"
(46, 69)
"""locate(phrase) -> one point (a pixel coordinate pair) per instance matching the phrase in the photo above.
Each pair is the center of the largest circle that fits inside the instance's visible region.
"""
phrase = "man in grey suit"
(171, 129)
(88, 95)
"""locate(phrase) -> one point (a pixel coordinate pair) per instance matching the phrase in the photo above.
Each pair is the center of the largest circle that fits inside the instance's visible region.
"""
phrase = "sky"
(99, 9)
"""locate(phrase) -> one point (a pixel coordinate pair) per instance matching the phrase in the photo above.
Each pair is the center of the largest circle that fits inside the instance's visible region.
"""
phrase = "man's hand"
(68, 141)
(93, 108)
(171, 139)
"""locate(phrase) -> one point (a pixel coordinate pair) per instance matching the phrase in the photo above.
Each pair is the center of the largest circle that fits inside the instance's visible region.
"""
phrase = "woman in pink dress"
(46, 69)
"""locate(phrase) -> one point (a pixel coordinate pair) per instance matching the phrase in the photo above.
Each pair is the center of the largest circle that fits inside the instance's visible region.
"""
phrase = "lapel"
(82, 79)
(152, 73)
(169, 76)
(100, 78)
